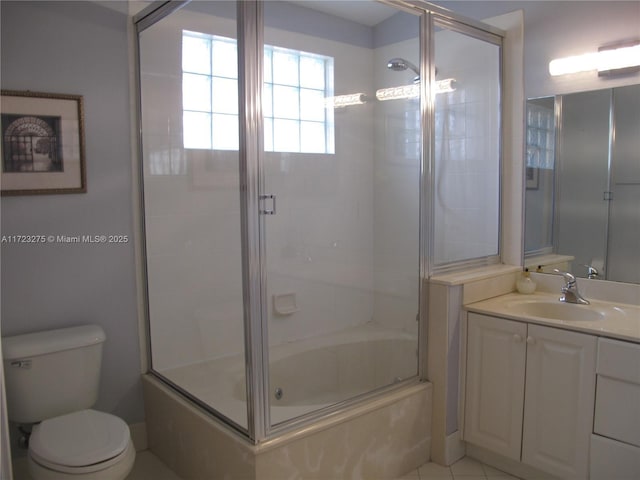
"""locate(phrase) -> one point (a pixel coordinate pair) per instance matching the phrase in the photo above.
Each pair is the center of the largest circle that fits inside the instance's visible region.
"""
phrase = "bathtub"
(382, 437)
(311, 374)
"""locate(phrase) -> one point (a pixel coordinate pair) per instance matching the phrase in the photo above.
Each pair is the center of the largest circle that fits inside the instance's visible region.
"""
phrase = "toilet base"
(113, 470)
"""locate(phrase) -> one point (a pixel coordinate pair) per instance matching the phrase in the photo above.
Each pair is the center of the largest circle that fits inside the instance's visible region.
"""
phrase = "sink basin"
(618, 320)
(556, 310)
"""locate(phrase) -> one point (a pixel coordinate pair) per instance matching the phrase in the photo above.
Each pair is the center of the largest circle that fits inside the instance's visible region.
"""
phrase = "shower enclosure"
(287, 151)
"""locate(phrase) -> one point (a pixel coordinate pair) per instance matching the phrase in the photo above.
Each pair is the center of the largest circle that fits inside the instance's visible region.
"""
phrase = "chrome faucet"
(592, 272)
(570, 292)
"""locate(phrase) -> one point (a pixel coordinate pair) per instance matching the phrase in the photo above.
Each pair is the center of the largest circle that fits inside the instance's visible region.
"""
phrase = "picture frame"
(42, 146)
(532, 178)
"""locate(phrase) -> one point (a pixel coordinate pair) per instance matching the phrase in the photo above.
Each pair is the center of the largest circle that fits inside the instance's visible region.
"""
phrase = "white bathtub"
(382, 437)
(311, 373)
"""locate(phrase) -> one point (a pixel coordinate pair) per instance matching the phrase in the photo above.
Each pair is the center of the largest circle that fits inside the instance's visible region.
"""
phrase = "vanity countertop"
(614, 320)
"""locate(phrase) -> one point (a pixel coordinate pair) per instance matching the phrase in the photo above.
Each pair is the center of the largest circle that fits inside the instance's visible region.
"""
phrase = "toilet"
(52, 380)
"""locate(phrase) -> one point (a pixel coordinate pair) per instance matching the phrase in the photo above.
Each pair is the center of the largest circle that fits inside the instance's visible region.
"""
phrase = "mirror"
(582, 192)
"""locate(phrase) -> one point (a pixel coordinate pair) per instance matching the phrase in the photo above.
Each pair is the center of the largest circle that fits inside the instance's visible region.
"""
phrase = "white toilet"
(52, 380)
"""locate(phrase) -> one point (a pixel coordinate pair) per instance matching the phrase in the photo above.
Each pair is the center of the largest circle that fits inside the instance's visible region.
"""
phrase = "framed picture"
(532, 178)
(42, 147)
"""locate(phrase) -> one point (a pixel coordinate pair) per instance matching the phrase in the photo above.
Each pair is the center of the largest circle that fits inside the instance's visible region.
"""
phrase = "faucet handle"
(568, 277)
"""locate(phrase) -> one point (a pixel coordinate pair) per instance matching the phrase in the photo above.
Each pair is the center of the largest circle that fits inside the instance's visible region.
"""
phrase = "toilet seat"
(112, 469)
(81, 443)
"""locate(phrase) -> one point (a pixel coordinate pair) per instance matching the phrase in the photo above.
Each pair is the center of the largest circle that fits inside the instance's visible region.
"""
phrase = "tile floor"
(464, 469)
(149, 467)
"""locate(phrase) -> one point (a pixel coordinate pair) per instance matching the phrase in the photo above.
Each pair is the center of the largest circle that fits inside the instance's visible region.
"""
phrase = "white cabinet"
(615, 445)
(559, 397)
(495, 384)
(544, 422)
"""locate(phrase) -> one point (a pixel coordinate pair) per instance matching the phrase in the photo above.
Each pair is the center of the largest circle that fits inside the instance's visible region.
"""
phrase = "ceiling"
(365, 12)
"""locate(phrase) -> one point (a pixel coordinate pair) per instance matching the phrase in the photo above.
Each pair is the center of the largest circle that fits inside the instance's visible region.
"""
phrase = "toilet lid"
(78, 439)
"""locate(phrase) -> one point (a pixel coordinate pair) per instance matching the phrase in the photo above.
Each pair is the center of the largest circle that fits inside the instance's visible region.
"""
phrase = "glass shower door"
(342, 161)
(189, 106)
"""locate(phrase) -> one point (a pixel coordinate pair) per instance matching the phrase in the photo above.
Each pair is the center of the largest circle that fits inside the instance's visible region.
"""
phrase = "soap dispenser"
(524, 284)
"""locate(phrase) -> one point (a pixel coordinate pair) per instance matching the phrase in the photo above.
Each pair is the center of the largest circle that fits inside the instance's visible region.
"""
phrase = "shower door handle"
(268, 211)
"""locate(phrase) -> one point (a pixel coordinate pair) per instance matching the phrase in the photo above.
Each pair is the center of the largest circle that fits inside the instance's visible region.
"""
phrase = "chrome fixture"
(398, 64)
(592, 272)
(570, 292)
(278, 393)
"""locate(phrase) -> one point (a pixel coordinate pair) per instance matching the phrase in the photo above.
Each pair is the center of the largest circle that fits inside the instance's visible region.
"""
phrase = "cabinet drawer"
(617, 412)
(619, 360)
(613, 460)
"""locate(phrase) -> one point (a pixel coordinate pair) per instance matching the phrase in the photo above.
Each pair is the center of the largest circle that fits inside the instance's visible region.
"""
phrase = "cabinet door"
(560, 391)
(496, 354)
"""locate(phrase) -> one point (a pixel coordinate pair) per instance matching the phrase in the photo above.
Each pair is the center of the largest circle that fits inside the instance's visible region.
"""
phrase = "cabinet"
(530, 393)
(615, 444)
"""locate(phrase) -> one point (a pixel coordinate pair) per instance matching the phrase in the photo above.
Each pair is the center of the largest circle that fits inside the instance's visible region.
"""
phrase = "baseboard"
(454, 448)
(139, 435)
(508, 465)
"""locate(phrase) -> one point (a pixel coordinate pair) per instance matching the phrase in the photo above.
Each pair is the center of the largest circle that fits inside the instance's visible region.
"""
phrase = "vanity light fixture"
(611, 60)
(413, 91)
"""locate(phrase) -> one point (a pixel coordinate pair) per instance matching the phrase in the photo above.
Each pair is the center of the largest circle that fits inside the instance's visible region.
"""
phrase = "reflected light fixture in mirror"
(413, 91)
(616, 59)
(340, 101)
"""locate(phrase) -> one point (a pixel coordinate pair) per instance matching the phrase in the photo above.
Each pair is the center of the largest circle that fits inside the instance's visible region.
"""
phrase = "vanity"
(553, 386)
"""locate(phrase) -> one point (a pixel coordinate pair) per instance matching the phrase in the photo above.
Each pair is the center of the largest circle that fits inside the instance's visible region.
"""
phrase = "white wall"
(77, 48)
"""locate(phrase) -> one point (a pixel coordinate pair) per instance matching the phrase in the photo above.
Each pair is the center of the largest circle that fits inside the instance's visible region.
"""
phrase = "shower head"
(400, 64)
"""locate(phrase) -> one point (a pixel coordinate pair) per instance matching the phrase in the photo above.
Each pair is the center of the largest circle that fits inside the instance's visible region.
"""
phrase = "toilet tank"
(52, 372)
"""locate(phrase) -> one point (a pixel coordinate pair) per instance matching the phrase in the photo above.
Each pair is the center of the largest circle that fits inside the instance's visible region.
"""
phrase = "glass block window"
(540, 137)
(295, 87)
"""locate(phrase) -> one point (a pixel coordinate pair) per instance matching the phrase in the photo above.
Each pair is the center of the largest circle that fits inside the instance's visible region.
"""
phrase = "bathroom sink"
(600, 317)
(556, 310)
